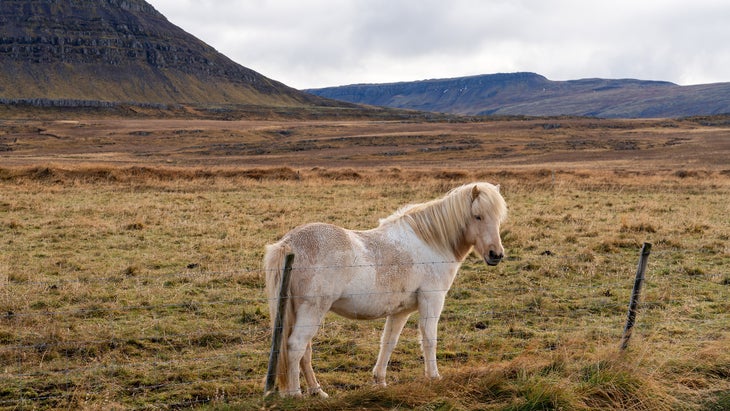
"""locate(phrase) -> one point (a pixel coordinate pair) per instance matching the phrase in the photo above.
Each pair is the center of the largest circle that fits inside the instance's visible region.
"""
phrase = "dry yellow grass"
(140, 287)
(130, 260)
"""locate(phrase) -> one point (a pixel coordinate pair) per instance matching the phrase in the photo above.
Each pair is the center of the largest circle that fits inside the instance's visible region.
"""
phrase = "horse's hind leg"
(308, 321)
(393, 327)
(313, 387)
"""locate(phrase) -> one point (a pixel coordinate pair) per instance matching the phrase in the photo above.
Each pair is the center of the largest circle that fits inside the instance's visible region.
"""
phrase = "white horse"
(404, 265)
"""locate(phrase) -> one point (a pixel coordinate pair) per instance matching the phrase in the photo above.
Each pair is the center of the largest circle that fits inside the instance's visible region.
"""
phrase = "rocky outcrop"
(45, 102)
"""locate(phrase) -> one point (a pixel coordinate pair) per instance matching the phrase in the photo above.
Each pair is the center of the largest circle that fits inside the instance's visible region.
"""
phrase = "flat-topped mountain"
(534, 95)
(120, 51)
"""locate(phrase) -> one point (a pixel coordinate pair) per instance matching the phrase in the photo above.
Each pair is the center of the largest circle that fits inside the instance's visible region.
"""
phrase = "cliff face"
(120, 50)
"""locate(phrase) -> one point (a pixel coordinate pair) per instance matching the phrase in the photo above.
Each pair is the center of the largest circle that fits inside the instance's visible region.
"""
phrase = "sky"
(322, 43)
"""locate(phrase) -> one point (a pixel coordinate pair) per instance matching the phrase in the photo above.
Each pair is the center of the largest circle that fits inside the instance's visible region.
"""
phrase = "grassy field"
(131, 248)
(127, 287)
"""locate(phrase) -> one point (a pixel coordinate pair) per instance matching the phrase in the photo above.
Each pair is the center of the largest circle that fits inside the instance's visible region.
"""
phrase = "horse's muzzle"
(493, 258)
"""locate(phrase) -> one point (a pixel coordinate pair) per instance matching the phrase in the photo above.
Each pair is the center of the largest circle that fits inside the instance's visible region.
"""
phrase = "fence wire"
(23, 357)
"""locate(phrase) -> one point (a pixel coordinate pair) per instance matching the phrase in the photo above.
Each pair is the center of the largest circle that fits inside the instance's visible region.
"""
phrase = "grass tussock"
(538, 383)
(137, 174)
(512, 179)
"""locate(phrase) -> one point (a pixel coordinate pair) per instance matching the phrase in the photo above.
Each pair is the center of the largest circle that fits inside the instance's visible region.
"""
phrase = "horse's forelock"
(491, 201)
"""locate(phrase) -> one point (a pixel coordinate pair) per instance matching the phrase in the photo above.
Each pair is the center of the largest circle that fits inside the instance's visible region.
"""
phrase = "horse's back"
(315, 243)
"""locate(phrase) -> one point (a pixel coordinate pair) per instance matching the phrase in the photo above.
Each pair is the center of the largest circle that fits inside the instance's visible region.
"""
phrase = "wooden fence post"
(634, 302)
(278, 327)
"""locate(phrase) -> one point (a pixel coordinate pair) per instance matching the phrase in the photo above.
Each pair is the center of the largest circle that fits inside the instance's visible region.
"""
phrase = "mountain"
(534, 95)
(82, 51)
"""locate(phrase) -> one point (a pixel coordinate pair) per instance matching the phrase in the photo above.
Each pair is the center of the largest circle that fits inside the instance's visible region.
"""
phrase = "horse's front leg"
(430, 305)
(393, 326)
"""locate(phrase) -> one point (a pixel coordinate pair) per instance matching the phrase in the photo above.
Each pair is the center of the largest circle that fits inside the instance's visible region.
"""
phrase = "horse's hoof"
(291, 394)
(318, 391)
(380, 383)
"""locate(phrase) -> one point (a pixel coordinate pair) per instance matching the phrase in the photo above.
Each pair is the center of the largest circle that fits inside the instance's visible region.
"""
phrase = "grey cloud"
(319, 43)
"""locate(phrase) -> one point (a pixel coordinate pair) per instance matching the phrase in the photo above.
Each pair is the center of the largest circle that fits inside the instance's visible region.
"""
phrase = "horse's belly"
(371, 306)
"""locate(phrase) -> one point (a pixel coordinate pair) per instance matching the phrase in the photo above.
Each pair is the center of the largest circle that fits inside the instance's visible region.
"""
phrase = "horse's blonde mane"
(441, 222)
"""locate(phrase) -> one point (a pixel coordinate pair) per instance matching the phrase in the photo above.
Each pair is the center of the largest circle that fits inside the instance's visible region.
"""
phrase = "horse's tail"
(273, 267)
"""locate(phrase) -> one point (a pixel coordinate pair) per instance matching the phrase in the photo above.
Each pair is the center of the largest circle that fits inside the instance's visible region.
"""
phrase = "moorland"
(131, 277)
(451, 143)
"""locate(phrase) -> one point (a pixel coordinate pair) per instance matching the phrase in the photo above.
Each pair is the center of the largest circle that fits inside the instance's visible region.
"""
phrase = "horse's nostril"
(494, 256)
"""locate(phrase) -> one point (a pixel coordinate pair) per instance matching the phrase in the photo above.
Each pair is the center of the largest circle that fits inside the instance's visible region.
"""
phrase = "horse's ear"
(474, 192)
(497, 186)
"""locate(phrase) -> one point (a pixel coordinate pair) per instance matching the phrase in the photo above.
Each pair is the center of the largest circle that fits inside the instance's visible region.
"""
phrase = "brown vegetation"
(686, 147)
(130, 264)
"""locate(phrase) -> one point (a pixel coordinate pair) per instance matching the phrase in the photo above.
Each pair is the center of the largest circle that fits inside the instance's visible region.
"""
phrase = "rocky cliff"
(120, 50)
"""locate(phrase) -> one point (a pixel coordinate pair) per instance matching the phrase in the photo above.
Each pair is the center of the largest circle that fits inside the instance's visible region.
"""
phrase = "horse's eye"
(478, 217)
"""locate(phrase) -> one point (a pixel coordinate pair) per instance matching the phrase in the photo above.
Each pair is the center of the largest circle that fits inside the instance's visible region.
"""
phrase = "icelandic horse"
(406, 264)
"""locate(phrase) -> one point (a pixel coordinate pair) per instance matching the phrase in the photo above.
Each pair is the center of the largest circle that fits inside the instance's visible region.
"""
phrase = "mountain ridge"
(526, 93)
(121, 51)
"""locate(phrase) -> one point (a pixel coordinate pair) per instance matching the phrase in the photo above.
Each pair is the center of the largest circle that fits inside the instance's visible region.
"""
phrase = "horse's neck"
(462, 251)
(449, 253)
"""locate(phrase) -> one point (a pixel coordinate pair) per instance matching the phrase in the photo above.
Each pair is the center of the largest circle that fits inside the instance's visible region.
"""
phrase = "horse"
(404, 265)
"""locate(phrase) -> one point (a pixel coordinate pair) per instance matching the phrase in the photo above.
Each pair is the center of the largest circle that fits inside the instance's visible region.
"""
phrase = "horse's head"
(488, 210)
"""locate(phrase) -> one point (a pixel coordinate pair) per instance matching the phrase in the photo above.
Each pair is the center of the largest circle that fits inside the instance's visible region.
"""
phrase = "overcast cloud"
(320, 43)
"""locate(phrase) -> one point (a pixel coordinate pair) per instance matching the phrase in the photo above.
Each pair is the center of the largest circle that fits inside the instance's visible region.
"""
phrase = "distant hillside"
(87, 51)
(534, 95)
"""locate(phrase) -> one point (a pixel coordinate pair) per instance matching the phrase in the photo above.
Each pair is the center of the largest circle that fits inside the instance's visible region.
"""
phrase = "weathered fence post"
(278, 327)
(634, 302)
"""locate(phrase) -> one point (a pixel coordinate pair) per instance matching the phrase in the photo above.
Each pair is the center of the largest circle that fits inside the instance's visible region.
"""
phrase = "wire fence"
(50, 367)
